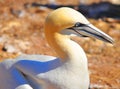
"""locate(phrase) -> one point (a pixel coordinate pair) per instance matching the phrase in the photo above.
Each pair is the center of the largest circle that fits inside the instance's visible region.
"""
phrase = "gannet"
(69, 70)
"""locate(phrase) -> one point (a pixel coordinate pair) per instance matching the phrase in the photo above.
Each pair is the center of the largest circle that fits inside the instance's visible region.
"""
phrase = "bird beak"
(88, 30)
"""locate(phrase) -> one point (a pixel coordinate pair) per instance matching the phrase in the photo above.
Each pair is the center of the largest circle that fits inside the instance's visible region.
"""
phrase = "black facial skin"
(78, 24)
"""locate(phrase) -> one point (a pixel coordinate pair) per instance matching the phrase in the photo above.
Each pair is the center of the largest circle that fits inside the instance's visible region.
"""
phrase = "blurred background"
(22, 26)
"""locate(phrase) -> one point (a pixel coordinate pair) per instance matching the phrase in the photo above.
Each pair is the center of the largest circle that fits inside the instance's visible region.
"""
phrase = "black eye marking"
(78, 24)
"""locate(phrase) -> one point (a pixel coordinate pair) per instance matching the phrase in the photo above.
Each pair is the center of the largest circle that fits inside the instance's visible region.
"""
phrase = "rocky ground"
(21, 31)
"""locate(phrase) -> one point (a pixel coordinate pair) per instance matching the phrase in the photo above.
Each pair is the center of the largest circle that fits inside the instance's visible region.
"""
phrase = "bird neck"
(68, 50)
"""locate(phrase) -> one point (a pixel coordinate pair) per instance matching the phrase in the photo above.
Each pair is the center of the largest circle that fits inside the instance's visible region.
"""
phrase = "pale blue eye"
(78, 24)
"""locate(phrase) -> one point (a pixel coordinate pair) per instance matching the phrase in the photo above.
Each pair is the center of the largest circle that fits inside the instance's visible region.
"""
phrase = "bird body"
(69, 74)
(69, 71)
(38, 78)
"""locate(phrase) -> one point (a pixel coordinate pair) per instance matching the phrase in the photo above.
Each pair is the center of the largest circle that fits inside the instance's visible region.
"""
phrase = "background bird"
(69, 71)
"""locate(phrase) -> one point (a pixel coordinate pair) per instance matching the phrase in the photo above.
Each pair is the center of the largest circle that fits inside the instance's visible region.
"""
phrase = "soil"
(21, 31)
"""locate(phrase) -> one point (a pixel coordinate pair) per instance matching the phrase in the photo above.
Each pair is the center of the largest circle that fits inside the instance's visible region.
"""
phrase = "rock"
(9, 48)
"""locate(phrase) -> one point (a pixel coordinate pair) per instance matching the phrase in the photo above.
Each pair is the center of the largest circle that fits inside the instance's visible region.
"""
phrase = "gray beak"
(91, 31)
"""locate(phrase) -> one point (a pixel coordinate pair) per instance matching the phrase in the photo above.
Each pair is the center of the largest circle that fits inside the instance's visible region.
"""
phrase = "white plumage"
(69, 71)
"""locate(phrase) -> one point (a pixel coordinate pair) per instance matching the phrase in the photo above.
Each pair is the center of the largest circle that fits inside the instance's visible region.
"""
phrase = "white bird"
(69, 71)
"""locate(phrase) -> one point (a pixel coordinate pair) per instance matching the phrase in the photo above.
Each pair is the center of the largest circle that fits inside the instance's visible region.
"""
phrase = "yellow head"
(68, 21)
(63, 22)
(64, 18)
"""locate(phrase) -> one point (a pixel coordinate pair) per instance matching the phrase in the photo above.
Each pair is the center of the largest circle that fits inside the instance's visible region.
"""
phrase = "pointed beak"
(91, 31)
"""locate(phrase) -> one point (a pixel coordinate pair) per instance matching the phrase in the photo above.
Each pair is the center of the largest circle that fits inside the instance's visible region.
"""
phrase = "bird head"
(68, 21)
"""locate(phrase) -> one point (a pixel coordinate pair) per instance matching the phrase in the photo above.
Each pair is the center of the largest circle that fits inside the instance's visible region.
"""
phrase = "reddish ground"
(23, 33)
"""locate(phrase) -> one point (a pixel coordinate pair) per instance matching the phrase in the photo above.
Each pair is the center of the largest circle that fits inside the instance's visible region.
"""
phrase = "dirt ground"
(21, 31)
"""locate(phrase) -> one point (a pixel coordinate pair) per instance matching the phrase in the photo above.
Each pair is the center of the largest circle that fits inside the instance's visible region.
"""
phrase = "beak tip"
(111, 41)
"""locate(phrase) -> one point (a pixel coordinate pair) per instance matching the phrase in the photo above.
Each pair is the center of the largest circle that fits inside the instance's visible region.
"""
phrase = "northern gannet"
(69, 71)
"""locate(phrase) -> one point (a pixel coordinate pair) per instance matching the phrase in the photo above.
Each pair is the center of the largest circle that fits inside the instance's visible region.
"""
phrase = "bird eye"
(78, 24)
